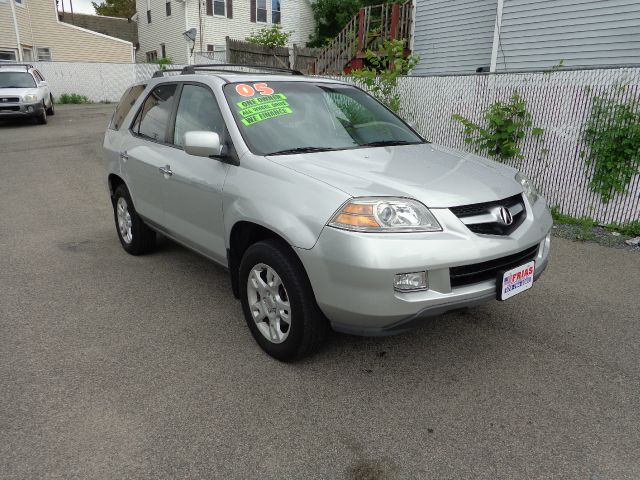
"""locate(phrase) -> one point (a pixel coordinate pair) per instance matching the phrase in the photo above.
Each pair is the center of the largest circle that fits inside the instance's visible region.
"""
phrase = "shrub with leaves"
(612, 135)
(163, 62)
(506, 124)
(380, 76)
(72, 98)
(270, 37)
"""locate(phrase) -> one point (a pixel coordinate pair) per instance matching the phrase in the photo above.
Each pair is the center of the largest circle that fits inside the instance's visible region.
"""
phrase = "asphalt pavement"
(117, 367)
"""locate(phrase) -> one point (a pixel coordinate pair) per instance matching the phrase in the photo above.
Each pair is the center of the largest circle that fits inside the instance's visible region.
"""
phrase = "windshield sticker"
(263, 108)
(248, 91)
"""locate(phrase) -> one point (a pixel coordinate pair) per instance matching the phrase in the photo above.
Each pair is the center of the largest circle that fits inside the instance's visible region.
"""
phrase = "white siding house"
(462, 36)
(214, 20)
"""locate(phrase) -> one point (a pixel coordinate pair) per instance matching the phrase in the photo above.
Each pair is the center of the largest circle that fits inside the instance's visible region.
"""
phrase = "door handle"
(123, 156)
(166, 170)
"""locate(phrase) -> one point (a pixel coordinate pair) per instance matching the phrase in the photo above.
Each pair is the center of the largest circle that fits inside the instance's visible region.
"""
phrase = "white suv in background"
(24, 93)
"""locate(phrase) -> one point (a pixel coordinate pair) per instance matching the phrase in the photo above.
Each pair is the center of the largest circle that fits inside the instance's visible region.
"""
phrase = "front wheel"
(51, 110)
(135, 236)
(278, 302)
(42, 118)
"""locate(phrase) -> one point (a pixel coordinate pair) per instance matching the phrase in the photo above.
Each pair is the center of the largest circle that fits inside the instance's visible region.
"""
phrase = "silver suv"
(24, 93)
(327, 209)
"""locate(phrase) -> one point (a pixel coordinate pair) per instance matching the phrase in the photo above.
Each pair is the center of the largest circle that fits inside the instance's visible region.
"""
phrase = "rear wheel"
(51, 110)
(135, 236)
(278, 302)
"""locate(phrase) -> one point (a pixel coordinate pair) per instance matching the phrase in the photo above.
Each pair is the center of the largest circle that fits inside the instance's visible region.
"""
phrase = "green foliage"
(380, 77)
(331, 16)
(631, 229)
(270, 37)
(115, 8)
(72, 98)
(612, 135)
(555, 67)
(163, 62)
(506, 125)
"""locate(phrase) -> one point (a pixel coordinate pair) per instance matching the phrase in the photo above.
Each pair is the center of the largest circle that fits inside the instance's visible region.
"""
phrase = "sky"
(79, 6)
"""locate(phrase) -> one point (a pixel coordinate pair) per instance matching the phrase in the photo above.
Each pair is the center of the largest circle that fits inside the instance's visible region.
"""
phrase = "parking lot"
(113, 366)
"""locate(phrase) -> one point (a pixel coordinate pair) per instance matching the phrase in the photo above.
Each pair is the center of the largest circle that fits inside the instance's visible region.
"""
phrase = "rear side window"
(155, 113)
(124, 107)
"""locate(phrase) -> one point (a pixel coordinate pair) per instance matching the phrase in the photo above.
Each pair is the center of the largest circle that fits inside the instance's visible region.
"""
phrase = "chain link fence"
(560, 103)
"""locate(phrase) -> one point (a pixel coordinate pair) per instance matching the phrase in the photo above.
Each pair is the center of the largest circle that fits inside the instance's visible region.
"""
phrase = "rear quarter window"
(124, 107)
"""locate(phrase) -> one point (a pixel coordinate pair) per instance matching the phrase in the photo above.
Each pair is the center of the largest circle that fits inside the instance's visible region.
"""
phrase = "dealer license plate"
(515, 281)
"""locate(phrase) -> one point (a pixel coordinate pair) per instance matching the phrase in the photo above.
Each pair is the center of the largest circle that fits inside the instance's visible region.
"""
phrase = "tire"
(135, 236)
(42, 118)
(307, 327)
(51, 110)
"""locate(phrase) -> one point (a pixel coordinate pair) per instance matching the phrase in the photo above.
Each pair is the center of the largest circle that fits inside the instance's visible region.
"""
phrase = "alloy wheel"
(269, 303)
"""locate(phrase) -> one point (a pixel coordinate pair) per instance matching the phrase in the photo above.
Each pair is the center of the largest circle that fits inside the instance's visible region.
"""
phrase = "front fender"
(291, 204)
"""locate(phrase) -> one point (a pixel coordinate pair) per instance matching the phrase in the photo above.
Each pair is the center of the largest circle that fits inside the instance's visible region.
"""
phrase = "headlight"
(384, 214)
(527, 188)
(31, 98)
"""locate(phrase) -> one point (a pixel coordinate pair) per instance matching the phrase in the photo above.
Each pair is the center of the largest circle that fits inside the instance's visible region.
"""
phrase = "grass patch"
(72, 98)
(631, 229)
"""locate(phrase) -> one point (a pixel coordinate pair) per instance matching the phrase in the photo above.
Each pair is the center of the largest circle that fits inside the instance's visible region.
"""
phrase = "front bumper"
(20, 110)
(352, 273)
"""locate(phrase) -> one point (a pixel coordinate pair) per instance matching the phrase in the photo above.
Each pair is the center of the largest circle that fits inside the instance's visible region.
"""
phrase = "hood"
(17, 92)
(437, 176)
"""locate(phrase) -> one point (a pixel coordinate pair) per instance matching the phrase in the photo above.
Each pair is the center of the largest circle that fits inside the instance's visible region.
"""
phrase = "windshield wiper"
(291, 151)
(388, 143)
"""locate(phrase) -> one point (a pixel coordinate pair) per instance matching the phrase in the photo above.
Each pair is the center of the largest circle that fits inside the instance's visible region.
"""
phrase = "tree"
(270, 37)
(332, 15)
(115, 8)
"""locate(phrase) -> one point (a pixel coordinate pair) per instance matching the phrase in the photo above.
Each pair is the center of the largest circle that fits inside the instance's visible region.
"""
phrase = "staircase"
(366, 31)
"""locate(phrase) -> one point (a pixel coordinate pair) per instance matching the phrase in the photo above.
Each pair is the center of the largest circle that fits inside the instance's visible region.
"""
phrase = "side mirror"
(43, 84)
(202, 144)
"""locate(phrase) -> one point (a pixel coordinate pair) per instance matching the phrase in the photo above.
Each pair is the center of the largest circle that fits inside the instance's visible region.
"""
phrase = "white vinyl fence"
(560, 103)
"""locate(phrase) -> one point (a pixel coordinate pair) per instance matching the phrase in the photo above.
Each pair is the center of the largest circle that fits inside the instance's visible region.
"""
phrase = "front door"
(193, 194)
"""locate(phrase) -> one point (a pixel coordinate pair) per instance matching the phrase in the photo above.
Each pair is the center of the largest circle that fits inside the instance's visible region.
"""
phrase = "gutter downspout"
(496, 36)
(17, 30)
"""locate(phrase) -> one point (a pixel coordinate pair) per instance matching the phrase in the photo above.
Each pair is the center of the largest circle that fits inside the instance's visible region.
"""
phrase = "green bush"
(72, 98)
(506, 124)
(612, 135)
(270, 37)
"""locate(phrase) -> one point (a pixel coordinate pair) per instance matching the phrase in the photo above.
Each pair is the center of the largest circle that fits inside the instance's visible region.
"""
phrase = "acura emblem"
(5, 99)
(505, 216)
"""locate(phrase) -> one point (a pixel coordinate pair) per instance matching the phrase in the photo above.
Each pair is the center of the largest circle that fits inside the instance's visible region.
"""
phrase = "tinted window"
(153, 118)
(124, 107)
(197, 111)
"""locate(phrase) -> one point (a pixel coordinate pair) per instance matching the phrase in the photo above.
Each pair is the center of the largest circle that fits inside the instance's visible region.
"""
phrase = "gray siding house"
(465, 36)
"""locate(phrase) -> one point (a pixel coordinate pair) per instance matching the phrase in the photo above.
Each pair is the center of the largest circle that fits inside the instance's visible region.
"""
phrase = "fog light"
(29, 109)
(409, 282)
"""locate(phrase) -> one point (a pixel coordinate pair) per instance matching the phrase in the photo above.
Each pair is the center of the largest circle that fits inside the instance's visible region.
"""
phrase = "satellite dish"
(190, 34)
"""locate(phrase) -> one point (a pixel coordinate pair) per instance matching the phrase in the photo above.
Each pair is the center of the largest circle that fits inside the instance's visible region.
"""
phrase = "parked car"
(327, 209)
(24, 93)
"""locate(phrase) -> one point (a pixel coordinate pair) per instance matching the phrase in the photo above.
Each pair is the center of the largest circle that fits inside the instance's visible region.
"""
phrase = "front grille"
(492, 228)
(11, 108)
(479, 272)
(9, 100)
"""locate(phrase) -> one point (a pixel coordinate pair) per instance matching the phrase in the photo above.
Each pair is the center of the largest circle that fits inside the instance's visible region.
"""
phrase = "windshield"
(16, 80)
(294, 117)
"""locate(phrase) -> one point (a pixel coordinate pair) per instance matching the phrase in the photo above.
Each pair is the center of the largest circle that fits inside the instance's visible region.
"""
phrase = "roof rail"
(160, 73)
(26, 65)
(223, 67)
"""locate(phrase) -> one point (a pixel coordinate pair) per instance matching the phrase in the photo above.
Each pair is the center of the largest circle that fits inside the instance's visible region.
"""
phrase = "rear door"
(145, 152)
(193, 194)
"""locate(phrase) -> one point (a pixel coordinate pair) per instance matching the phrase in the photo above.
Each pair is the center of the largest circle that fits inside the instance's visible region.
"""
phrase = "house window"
(148, 16)
(218, 7)
(168, 8)
(152, 56)
(164, 50)
(27, 54)
(44, 54)
(7, 55)
(261, 11)
(275, 11)
(20, 2)
(209, 47)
